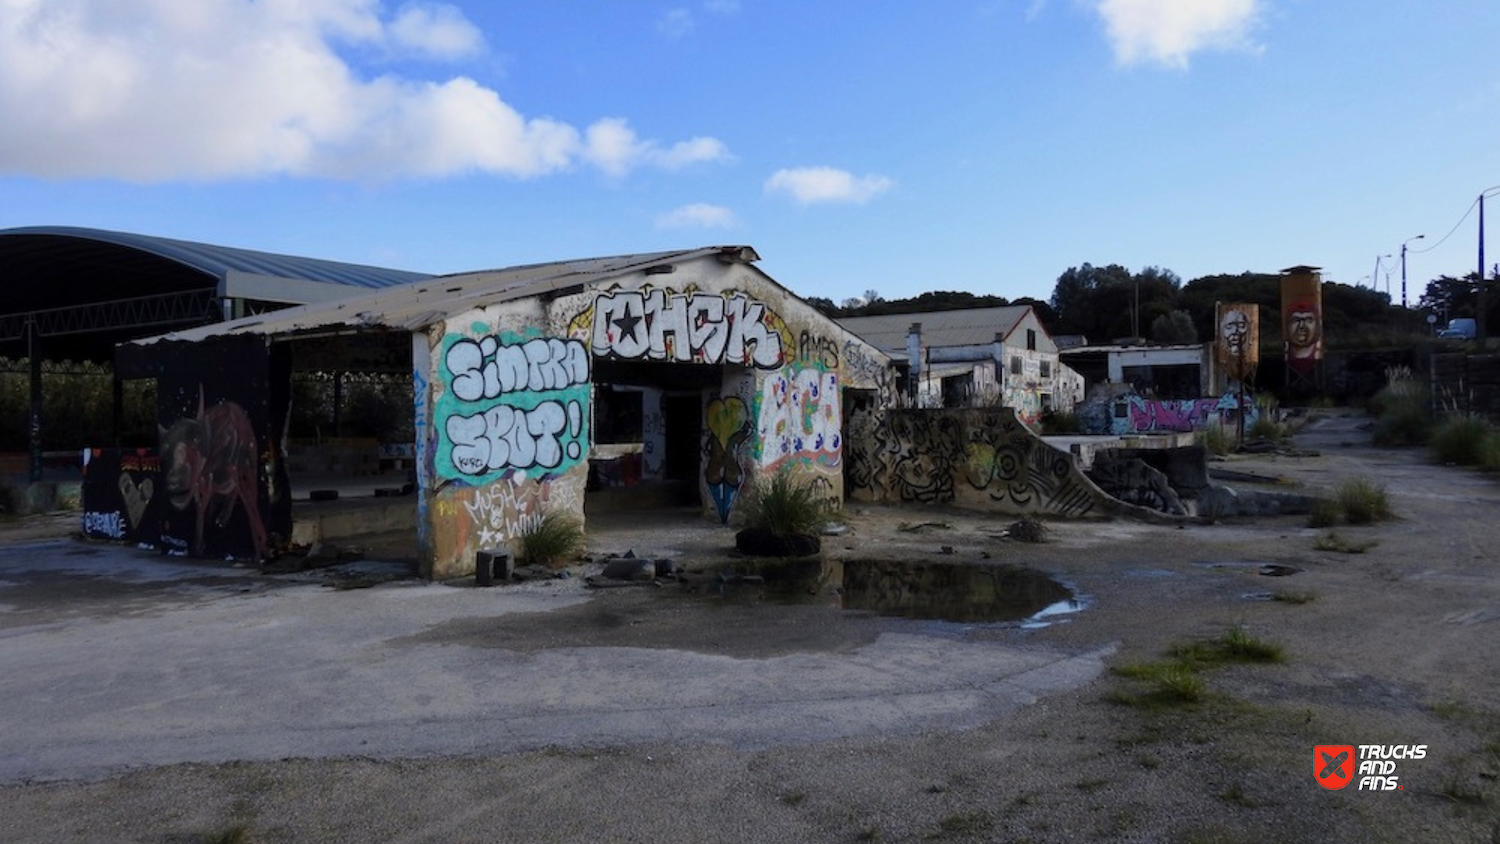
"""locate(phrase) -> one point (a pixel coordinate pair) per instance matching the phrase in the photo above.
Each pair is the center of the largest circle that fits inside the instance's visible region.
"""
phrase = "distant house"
(974, 357)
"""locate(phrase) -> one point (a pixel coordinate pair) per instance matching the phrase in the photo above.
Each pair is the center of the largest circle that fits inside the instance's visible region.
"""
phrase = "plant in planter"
(783, 518)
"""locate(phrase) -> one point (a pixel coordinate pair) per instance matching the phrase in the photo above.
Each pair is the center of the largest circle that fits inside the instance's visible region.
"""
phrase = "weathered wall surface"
(505, 439)
(508, 388)
(1468, 383)
(984, 459)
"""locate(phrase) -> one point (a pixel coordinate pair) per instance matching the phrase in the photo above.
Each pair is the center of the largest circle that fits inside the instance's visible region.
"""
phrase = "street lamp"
(1403, 266)
(1375, 274)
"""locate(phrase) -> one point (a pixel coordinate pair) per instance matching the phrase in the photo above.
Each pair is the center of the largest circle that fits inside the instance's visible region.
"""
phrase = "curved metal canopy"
(80, 290)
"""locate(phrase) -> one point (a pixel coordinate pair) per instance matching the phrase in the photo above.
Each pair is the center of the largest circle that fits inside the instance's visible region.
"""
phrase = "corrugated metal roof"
(217, 261)
(968, 327)
(415, 306)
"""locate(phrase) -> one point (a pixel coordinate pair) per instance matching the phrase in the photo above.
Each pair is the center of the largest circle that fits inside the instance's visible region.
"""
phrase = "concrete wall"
(504, 397)
(983, 459)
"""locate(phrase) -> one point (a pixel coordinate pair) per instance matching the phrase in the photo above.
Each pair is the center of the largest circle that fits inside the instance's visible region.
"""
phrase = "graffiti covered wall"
(223, 476)
(508, 436)
(119, 495)
(983, 459)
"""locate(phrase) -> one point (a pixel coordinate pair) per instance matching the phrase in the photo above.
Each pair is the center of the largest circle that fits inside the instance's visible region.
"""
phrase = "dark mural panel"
(119, 495)
(222, 487)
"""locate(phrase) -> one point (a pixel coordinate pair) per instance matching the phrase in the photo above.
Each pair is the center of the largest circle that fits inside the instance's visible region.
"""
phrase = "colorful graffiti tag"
(118, 489)
(728, 427)
(511, 406)
(660, 325)
(799, 418)
(1184, 415)
(944, 456)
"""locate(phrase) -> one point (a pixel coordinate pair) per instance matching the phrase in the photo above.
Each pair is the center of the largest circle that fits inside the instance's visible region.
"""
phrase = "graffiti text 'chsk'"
(683, 327)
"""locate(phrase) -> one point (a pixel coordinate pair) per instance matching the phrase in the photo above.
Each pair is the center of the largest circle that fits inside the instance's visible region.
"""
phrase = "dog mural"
(212, 465)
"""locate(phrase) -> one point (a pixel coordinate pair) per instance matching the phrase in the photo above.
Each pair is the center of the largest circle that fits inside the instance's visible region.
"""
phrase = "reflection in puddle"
(958, 592)
(955, 592)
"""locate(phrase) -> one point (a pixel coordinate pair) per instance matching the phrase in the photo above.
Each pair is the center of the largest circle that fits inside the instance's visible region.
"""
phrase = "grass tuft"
(1290, 596)
(1363, 502)
(1332, 541)
(1216, 438)
(236, 834)
(553, 541)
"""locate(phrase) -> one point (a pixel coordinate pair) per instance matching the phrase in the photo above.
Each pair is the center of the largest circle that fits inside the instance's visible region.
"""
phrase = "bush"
(553, 541)
(1265, 428)
(1462, 439)
(1060, 422)
(1402, 411)
(1216, 438)
(783, 505)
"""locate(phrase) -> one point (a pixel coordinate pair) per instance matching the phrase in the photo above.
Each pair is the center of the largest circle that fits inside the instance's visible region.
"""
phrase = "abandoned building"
(73, 293)
(975, 357)
(660, 377)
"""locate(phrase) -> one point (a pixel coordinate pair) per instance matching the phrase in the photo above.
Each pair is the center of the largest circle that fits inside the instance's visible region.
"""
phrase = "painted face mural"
(211, 467)
(728, 428)
(1238, 343)
(1304, 340)
(1302, 318)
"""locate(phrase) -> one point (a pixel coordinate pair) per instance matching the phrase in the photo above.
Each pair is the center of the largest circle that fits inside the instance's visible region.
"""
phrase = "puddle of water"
(929, 590)
(954, 591)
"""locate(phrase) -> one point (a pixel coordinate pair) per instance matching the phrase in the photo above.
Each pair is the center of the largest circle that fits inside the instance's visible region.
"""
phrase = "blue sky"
(985, 145)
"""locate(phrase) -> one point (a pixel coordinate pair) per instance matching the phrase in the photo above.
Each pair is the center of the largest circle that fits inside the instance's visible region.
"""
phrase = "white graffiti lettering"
(511, 438)
(486, 368)
(513, 507)
(698, 327)
(111, 525)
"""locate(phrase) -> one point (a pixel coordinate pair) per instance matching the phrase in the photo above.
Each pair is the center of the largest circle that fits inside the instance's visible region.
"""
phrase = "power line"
(1444, 238)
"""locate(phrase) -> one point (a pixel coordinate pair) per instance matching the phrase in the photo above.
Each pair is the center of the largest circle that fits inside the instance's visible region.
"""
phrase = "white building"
(975, 357)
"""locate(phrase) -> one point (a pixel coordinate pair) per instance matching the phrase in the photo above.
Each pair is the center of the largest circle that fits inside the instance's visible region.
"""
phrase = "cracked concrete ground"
(160, 700)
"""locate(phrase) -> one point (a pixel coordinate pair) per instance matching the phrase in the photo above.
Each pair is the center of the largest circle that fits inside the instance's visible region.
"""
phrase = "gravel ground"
(1393, 645)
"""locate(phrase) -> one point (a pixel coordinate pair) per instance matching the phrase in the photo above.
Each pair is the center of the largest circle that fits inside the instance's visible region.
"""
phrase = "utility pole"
(1403, 267)
(1479, 332)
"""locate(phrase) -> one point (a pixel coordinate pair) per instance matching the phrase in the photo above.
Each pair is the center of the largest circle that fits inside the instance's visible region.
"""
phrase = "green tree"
(1174, 327)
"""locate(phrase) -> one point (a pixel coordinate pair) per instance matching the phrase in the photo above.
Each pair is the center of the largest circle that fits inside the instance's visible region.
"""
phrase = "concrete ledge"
(351, 517)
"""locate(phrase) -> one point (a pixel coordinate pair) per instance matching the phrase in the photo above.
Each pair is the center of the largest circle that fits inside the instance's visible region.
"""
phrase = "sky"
(976, 145)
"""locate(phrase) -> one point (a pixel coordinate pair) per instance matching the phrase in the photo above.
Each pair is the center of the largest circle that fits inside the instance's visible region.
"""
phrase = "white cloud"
(438, 30)
(808, 185)
(1169, 31)
(151, 90)
(698, 215)
(675, 23)
(679, 21)
(613, 147)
